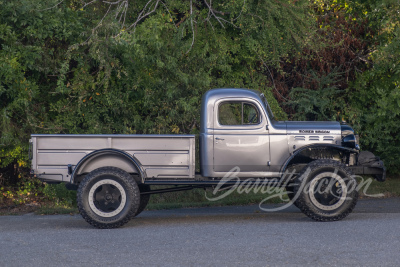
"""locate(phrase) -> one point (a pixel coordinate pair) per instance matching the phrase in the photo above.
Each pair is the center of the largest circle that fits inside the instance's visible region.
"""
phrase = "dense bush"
(59, 75)
(355, 78)
(376, 103)
(67, 69)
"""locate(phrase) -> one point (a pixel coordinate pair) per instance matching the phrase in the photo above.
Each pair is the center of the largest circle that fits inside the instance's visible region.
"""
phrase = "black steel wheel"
(328, 190)
(144, 199)
(108, 197)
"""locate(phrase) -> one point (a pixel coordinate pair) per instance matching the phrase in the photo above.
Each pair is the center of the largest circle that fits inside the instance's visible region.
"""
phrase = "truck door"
(240, 137)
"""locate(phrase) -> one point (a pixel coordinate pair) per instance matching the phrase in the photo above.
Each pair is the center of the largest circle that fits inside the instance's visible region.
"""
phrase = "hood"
(313, 127)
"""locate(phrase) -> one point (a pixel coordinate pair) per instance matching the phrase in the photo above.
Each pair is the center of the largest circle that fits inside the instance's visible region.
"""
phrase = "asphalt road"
(218, 236)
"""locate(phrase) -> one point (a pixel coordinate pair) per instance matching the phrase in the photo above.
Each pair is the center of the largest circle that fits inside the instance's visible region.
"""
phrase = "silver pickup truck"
(239, 136)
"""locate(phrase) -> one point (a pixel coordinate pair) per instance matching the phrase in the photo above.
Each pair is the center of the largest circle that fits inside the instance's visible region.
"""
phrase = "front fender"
(316, 146)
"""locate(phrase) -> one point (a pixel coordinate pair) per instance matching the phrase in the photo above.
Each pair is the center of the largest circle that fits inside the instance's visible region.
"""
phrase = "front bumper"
(369, 164)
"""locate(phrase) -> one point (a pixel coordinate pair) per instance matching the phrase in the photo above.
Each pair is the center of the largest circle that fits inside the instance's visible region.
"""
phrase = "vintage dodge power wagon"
(113, 174)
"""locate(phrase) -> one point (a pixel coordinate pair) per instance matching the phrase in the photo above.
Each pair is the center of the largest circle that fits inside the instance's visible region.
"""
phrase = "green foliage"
(59, 76)
(374, 98)
(321, 103)
(26, 190)
(60, 195)
(279, 113)
(31, 47)
(365, 46)
(376, 104)
(15, 153)
(152, 80)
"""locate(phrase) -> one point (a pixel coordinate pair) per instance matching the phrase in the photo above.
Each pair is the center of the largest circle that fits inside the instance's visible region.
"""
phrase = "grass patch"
(389, 188)
(34, 196)
(62, 200)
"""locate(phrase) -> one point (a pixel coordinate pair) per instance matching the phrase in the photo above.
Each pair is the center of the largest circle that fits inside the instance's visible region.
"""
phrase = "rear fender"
(108, 157)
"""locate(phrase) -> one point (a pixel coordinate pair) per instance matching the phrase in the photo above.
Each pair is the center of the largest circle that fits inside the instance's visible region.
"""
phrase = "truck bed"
(161, 156)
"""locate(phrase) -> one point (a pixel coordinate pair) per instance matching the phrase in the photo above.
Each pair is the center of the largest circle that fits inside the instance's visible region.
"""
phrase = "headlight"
(350, 141)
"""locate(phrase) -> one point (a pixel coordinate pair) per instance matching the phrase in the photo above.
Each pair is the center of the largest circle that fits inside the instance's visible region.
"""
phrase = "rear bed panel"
(162, 156)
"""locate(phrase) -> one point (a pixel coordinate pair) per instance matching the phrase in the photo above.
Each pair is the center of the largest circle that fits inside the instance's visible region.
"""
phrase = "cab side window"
(238, 113)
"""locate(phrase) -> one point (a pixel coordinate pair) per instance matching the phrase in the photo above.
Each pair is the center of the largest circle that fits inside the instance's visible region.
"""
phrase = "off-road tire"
(94, 201)
(308, 203)
(290, 193)
(144, 199)
(290, 186)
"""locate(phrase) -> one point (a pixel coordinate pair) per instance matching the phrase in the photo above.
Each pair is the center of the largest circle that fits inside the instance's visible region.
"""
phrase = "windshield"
(267, 108)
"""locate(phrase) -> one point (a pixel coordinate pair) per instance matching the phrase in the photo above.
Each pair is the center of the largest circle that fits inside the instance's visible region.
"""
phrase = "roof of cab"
(231, 92)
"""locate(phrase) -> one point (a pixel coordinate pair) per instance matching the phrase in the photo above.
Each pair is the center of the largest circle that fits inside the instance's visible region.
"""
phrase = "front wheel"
(291, 194)
(108, 197)
(326, 190)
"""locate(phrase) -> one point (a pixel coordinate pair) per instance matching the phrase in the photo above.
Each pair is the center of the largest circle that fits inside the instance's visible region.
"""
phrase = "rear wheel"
(328, 190)
(108, 197)
(144, 199)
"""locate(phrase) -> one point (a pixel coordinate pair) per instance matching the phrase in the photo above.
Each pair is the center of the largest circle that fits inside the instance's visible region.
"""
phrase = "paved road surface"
(218, 236)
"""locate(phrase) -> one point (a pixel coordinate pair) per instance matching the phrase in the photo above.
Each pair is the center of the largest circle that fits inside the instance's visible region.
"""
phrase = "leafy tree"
(68, 68)
(142, 66)
(375, 106)
(31, 45)
(320, 100)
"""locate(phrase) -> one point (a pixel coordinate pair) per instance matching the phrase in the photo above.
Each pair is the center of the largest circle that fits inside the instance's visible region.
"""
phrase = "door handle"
(217, 138)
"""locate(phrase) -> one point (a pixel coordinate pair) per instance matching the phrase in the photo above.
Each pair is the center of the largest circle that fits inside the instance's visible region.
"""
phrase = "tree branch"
(52, 6)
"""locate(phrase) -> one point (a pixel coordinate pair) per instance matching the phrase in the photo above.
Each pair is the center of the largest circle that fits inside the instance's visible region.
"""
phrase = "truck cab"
(235, 131)
(238, 129)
